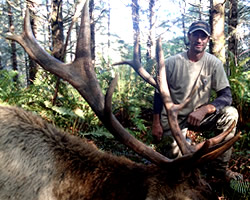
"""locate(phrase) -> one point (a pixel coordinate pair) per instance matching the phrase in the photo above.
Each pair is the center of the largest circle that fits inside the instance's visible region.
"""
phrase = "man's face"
(198, 41)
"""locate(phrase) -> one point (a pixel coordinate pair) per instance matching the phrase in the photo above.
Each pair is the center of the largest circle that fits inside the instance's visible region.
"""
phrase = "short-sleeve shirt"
(183, 75)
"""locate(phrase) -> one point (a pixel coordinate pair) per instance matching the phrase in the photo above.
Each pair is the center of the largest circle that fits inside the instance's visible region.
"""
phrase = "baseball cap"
(199, 25)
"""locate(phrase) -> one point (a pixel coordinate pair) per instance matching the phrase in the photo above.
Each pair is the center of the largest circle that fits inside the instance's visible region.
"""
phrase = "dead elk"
(37, 161)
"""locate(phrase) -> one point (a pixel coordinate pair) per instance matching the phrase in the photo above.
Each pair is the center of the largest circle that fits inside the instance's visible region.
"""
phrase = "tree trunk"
(92, 28)
(32, 67)
(109, 43)
(57, 29)
(77, 27)
(232, 25)
(13, 43)
(151, 36)
(136, 27)
(57, 37)
(1, 65)
(49, 26)
(217, 20)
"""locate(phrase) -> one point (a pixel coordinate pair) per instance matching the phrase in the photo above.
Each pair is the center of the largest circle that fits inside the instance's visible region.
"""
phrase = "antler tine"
(140, 71)
(136, 64)
(206, 152)
(172, 109)
(83, 51)
(28, 42)
(128, 139)
(217, 139)
(216, 150)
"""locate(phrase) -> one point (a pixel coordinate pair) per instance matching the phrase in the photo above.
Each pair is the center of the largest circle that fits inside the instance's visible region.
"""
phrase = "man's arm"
(157, 130)
(224, 98)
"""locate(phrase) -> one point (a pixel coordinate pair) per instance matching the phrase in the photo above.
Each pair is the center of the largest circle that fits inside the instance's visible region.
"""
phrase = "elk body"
(39, 162)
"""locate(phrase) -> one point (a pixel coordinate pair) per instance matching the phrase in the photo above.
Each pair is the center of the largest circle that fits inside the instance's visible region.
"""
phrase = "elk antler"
(172, 109)
(80, 74)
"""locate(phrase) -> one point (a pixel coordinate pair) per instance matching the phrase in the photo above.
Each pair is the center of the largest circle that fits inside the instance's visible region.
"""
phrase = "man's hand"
(198, 115)
(157, 130)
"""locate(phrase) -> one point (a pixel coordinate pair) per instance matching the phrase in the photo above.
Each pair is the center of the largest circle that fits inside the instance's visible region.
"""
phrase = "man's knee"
(232, 112)
(229, 114)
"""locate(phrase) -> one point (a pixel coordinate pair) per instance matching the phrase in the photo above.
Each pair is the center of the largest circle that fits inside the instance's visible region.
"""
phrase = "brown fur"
(39, 162)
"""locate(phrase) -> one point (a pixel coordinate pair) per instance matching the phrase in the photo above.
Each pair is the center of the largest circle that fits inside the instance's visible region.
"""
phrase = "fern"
(241, 187)
(100, 132)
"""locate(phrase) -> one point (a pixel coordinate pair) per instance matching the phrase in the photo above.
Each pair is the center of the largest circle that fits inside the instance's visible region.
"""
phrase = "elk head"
(80, 74)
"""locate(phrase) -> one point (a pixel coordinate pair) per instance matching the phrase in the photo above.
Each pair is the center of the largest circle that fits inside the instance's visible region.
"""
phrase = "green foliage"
(70, 112)
(174, 46)
(9, 91)
(241, 187)
(242, 146)
(240, 86)
(131, 98)
(98, 133)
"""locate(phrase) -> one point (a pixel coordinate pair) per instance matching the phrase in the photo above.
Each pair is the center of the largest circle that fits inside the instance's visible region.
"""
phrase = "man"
(197, 68)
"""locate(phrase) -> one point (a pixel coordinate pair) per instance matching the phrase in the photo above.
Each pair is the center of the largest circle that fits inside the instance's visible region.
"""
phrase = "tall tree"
(13, 44)
(136, 27)
(183, 6)
(1, 65)
(57, 37)
(92, 28)
(151, 36)
(232, 25)
(57, 29)
(109, 43)
(49, 38)
(32, 67)
(217, 20)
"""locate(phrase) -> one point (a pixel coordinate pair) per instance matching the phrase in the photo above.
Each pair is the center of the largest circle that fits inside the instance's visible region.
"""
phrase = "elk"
(40, 162)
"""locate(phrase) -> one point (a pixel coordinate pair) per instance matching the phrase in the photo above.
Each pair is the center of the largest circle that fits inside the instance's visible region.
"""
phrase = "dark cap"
(199, 25)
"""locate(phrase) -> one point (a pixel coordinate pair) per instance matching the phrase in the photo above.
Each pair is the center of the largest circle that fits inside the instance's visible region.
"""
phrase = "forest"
(114, 25)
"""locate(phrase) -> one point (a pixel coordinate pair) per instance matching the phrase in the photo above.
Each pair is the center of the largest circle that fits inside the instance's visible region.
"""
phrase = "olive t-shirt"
(183, 75)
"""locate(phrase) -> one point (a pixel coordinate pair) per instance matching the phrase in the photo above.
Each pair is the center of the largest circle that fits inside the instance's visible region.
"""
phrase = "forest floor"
(233, 190)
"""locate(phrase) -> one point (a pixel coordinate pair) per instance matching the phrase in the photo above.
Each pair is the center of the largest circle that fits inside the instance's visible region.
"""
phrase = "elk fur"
(40, 162)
